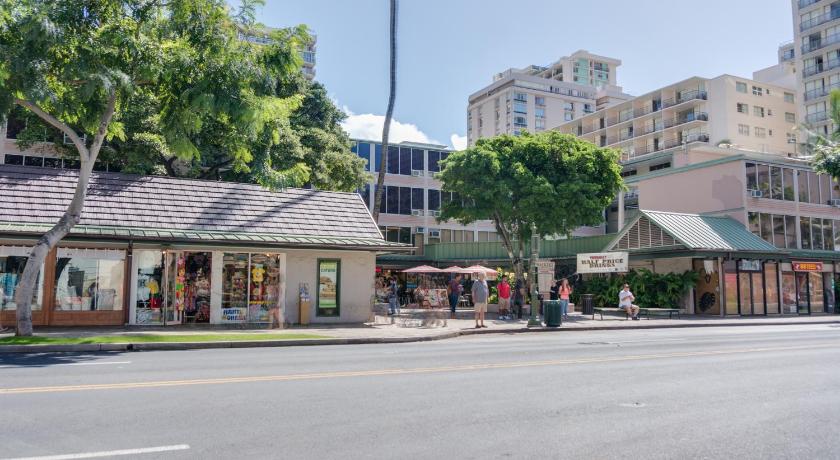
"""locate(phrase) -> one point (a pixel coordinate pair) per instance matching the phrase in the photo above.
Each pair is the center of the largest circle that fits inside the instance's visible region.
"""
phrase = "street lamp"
(534, 321)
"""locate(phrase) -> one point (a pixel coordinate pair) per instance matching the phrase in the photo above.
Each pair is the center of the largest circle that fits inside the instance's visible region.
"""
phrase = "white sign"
(602, 262)
(545, 275)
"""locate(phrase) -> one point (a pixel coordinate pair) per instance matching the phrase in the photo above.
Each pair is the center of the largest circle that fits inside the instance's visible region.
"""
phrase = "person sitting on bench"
(625, 301)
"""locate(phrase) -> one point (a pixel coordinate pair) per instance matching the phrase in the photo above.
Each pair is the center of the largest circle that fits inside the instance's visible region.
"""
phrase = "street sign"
(807, 266)
(602, 262)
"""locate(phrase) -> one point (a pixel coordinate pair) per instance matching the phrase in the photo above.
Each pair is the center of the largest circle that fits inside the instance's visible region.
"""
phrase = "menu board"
(328, 287)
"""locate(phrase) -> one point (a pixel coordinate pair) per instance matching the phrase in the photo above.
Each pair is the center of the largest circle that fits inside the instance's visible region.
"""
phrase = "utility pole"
(534, 321)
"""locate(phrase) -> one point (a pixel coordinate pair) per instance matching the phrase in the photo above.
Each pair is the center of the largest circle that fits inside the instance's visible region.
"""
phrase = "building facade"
(262, 36)
(536, 98)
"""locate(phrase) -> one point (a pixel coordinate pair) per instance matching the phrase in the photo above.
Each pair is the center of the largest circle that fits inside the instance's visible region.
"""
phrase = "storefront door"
(803, 294)
(188, 287)
(750, 288)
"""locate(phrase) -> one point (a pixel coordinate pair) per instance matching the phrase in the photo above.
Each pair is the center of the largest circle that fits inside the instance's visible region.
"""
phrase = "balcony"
(817, 93)
(810, 71)
(690, 139)
(821, 19)
(817, 117)
(645, 130)
(806, 3)
(819, 44)
(684, 97)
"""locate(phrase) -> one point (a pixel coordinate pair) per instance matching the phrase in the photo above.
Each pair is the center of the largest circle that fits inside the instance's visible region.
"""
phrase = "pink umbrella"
(454, 269)
(481, 269)
(422, 269)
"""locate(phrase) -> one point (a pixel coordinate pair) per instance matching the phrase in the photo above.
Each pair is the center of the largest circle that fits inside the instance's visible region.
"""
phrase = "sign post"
(534, 321)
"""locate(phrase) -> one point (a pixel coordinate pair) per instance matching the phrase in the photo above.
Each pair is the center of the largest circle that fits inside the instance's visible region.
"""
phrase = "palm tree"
(825, 150)
(386, 128)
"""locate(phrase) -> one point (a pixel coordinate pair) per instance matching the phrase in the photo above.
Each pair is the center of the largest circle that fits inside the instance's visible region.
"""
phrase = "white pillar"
(620, 211)
(216, 267)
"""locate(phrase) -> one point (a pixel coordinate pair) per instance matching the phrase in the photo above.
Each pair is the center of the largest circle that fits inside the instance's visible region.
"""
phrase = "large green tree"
(825, 149)
(555, 181)
(80, 65)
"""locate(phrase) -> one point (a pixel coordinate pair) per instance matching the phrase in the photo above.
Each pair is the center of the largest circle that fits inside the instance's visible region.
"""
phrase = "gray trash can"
(587, 304)
(551, 313)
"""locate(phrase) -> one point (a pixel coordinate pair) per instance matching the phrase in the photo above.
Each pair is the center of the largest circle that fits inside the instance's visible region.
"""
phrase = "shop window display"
(190, 284)
(266, 286)
(149, 308)
(89, 280)
(235, 288)
(11, 269)
(329, 288)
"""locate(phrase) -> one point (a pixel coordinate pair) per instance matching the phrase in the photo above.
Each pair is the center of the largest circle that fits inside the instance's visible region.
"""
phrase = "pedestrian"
(454, 292)
(519, 298)
(480, 294)
(504, 298)
(625, 301)
(564, 292)
(393, 306)
(555, 288)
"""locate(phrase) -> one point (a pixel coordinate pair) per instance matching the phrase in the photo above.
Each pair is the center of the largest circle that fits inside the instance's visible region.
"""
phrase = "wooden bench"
(642, 312)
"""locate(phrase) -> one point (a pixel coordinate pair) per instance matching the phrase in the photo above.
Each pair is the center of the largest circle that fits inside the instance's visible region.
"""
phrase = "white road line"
(108, 453)
(96, 363)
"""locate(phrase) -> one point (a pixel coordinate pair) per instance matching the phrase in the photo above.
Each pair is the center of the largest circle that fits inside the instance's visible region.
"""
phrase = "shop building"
(154, 250)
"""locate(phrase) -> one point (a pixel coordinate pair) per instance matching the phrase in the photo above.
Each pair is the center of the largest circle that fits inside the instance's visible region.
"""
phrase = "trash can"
(551, 313)
(587, 304)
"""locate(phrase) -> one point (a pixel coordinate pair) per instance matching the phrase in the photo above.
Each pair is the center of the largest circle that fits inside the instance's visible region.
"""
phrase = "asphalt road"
(736, 392)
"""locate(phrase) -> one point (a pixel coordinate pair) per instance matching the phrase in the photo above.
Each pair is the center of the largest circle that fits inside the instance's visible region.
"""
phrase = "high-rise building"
(261, 35)
(816, 52)
(535, 98)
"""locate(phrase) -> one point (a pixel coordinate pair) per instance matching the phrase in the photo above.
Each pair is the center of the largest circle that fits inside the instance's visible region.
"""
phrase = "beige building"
(535, 98)
(816, 53)
(261, 35)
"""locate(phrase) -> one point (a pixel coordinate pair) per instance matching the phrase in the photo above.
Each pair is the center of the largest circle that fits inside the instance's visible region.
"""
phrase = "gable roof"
(166, 207)
(656, 229)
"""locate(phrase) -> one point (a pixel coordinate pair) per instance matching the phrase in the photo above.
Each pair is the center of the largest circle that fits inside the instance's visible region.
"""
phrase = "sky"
(448, 49)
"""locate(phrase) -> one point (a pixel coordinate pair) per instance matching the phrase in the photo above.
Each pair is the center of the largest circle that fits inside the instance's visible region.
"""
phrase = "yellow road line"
(408, 371)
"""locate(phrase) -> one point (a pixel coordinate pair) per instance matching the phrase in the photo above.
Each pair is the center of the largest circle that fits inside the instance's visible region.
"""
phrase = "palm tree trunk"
(389, 113)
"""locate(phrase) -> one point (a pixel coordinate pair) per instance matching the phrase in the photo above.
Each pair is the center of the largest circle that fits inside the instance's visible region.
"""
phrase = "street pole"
(534, 321)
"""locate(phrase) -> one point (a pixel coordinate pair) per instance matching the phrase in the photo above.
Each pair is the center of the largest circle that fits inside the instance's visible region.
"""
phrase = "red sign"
(807, 266)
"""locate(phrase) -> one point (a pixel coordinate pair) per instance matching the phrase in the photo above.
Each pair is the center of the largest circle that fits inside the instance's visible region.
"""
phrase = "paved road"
(737, 392)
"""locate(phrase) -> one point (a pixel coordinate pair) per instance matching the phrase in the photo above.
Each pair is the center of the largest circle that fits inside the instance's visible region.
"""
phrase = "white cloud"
(369, 126)
(458, 142)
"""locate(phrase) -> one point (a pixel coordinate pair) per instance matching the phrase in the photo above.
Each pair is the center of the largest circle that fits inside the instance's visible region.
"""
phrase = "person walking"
(453, 289)
(504, 298)
(555, 288)
(564, 292)
(625, 302)
(519, 298)
(393, 305)
(480, 293)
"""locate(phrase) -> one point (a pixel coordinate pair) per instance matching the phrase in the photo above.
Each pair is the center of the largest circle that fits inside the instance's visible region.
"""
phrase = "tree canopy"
(826, 149)
(553, 180)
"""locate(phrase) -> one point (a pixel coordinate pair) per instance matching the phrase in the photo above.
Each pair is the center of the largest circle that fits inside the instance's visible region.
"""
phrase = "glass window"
(149, 306)
(89, 280)
(837, 235)
(790, 231)
(416, 198)
(33, 161)
(267, 287)
(767, 227)
(405, 201)
(758, 111)
(828, 235)
(742, 108)
(760, 132)
(52, 162)
(814, 188)
(405, 235)
(417, 160)
(757, 91)
(383, 201)
(363, 151)
(434, 158)
(730, 284)
(787, 183)
(328, 299)
(754, 223)
(364, 192)
(520, 107)
(393, 160)
(235, 288)
(779, 231)
(763, 179)
(378, 157)
(16, 160)
(405, 161)
(392, 197)
(776, 191)
(12, 263)
(434, 200)
(790, 117)
(740, 87)
(789, 97)
(743, 130)
(771, 287)
(803, 186)
(825, 189)
(816, 233)
(752, 184)
(805, 231)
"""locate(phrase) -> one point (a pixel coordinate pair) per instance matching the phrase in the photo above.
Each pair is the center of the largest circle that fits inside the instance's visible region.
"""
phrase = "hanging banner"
(602, 262)
(807, 266)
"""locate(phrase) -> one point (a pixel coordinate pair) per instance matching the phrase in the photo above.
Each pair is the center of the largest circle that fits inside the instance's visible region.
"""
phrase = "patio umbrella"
(481, 269)
(454, 269)
(422, 269)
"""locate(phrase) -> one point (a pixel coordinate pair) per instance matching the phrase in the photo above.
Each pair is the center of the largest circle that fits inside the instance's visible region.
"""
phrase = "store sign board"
(602, 262)
(746, 265)
(807, 266)
(545, 274)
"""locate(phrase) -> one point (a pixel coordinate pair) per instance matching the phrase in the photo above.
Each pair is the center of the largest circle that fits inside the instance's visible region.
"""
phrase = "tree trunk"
(389, 113)
(72, 215)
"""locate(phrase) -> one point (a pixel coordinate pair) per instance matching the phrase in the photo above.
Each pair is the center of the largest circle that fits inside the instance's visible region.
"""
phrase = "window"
(744, 130)
(753, 221)
(417, 159)
(752, 184)
(540, 124)
(757, 91)
(803, 186)
(570, 106)
(378, 157)
(767, 228)
(779, 231)
(12, 262)
(791, 138)
(520, 97)
(787, 183)
(763, 179)
(805, 231)
(789, 97)
(405, 201)
(417, 198)
(14, 159)
(790, 231)
(568, 116)
(758, 111)
(776, 190)
(328, 295)
(742, 108)
(740, 87)
(520, 107)
(539, 113)
(89, 280)
(628, 173)
(393, 166)
(520, 122)
(760, 132)
(392, 199)
(434, 200)
(539, 101)
(790, 117)
(660, 166)
(362, 149)
(769, 112)
(434, 158)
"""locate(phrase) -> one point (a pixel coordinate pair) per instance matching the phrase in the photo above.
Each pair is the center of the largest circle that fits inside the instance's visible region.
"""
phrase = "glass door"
(803, 304)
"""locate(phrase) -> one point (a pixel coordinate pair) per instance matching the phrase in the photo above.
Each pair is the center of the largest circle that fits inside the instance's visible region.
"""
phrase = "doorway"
(188, 287)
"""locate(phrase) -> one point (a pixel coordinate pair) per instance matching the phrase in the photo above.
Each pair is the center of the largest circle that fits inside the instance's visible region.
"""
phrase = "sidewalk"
(384, 330)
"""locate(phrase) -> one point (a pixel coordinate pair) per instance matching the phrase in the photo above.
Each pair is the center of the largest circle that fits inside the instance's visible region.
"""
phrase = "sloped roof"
(696, 232)
(120, 204)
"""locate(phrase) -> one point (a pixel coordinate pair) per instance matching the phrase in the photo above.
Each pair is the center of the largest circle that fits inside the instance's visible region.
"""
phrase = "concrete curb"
(169, 346)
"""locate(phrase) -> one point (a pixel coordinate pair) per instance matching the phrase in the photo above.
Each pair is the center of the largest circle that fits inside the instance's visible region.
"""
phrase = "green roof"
(696, 232)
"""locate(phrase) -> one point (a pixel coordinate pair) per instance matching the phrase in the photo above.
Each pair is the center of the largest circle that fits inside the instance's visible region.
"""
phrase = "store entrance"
(803, 293)
(188, 287)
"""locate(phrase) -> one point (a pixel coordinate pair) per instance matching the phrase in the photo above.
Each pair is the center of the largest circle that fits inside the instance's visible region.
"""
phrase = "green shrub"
(651, 289)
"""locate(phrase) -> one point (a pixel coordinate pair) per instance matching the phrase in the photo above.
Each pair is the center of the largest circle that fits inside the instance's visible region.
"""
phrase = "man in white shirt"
(625, 301)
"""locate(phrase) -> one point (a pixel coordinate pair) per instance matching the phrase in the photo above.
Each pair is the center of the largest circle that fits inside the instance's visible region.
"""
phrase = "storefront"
(226, 257)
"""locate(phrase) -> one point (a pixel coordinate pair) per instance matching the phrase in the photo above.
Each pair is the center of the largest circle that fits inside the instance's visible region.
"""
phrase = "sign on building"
(807, 266)
(602, 262)
(545, 275)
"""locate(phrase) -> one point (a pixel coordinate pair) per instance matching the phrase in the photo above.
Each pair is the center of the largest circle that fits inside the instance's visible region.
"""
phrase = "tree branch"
(104, 121)
(58, 124)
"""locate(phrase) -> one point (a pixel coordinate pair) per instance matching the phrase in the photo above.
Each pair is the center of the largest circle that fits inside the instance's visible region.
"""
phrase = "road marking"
(407, 371)
(97, 363)
(108, 453)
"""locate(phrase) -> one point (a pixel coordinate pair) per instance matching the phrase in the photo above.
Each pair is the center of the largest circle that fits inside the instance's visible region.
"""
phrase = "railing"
(816, 117)
(821, 92)
(806, 3)
(788, 55)
(821, 19)
(646, 110)
(691, 138)
(818, 44)
(684, 97)
(810, 71)
(694, 116)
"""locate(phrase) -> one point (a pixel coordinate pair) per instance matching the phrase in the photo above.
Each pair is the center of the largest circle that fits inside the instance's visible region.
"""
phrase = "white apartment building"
(816, 52)
(261, 35)
(412, 197)
(538, 97)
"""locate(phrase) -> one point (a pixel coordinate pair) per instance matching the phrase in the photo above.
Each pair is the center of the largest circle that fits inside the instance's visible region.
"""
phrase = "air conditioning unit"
(416, 172)
(416, 212)
(755, 193)
(835, 202)
(435, 213)
(420, 230)
(434, 233)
